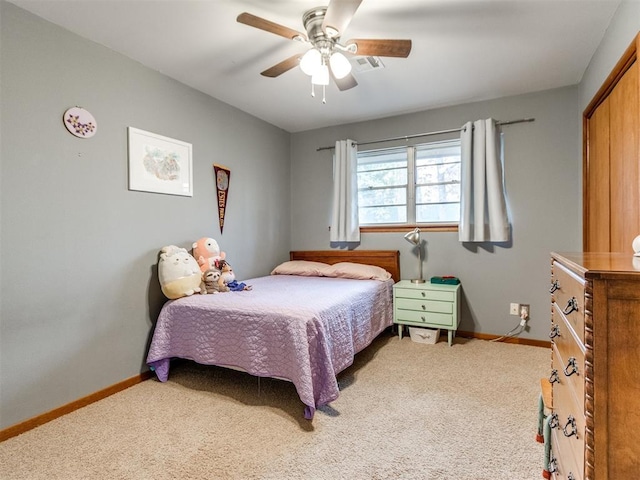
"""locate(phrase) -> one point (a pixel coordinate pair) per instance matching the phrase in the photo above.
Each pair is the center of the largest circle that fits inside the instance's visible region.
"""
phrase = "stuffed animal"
(178, 272)
(210, 280)
(227, 280)
(206, 251)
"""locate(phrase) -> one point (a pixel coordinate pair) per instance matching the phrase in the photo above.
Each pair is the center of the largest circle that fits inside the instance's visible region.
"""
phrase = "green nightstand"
(426, 305)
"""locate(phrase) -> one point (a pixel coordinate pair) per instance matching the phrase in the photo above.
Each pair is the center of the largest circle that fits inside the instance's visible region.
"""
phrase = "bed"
(301, 328)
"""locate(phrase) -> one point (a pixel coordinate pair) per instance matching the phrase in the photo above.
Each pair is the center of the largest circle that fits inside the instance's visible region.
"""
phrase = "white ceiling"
(463, 50)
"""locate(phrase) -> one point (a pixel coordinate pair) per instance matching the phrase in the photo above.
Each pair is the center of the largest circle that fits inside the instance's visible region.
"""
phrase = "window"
(410, 185)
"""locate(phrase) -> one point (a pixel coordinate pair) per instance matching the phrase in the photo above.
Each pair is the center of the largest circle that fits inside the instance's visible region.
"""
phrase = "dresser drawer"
(569, 349)
(566, 467)
(569, 293)
(424, 305)
(425, 294)
(421, 318)
(571, 428)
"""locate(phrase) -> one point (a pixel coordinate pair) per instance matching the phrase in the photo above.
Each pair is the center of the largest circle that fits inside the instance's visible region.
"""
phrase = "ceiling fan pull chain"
(313, 89)
(324, 100)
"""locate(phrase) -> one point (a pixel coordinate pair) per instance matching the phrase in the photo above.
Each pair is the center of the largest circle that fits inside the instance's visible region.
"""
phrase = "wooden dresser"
(595, 369)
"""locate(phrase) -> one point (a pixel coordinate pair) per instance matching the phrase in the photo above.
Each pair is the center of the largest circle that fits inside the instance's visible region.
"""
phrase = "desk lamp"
(413, 237)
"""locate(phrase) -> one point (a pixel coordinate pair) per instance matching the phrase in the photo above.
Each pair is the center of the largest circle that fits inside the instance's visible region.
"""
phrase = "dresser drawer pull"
(571, 364)
(554, 378)
(554, 286)
(423, 294)
(570, 476)
(572, 306)
(571, 422)
(553, 466)
(555, 331)
(554, 421)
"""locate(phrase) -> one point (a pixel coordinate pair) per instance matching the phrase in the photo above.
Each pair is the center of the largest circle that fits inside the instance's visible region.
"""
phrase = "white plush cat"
(178, 272)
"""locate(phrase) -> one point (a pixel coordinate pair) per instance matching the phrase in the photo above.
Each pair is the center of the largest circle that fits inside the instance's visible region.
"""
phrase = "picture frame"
(159, 164)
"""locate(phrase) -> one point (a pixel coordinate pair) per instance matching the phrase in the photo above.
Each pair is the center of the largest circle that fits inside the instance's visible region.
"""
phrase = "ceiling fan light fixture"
(311, 61)
(321, 76)
(340, 66)
(325, 55)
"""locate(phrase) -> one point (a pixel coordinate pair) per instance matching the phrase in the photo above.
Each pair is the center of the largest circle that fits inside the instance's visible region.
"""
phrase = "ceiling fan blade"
(345, 83)
(382, 48)
(269, 26)
(339, 15)
(282, 67)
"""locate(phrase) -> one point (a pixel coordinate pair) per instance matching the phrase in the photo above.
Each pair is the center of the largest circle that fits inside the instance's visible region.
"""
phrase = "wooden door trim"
(625, 62)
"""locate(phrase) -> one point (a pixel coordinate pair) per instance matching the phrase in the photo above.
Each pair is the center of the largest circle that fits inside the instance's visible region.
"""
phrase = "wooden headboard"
(387, 259)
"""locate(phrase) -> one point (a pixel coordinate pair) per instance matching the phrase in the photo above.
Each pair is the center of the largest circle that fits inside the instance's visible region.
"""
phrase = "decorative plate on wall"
(80, 122)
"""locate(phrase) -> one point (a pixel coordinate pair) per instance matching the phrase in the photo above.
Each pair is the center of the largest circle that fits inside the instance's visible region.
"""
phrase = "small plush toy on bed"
(210, 281)
(207, 252)
(178, 272)
(227, 281)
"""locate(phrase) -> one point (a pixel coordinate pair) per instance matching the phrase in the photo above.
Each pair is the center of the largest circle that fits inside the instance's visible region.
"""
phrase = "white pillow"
(303, 268)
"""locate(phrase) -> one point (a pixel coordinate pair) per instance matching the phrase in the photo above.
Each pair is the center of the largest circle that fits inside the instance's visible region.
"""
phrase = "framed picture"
(159, 164)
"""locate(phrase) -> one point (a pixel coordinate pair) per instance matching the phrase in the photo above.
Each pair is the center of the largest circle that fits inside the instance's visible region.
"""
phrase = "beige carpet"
(405, 411)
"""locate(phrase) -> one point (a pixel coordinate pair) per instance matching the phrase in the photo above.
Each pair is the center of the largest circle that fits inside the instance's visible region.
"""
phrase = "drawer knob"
(423, 319)
(571, 367)
(554, 421)
(423, 294)
(554, 286)
(572, 306)
(570, 476)
(423, 307)
(554, 378)
(571, 422)
(555, 331)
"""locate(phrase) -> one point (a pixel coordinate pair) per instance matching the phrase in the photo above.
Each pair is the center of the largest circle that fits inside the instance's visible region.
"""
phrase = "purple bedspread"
(304, 329)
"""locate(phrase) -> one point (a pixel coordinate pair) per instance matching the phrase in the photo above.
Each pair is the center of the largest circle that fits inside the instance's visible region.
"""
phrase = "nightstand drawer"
(422, 318)
(424, 305)
(423, 293)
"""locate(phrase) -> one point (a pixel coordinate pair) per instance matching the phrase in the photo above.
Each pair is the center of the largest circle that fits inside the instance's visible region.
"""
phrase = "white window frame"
(411, 187)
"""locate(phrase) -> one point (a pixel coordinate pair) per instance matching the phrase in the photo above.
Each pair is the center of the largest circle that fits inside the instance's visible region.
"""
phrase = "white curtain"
(483, 205)
(345, 226)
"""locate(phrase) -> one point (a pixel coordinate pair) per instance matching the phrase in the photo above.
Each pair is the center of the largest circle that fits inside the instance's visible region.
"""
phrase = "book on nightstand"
(447, 280)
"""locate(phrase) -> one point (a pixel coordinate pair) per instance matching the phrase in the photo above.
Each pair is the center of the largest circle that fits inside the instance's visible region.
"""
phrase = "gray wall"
(622, 30)
(79, 287)
(542, 169)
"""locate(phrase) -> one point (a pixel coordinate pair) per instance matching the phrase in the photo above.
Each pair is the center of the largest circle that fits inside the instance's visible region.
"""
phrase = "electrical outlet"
(514, 309)
(524, 311)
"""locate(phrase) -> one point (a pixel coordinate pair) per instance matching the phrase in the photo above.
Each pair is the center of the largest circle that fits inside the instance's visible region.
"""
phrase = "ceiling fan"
(325, 58)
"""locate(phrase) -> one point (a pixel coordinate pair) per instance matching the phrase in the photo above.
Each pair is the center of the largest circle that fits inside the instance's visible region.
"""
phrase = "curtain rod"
(440, 132)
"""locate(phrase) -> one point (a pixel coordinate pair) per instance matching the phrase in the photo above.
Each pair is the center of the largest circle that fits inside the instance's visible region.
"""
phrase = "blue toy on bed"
(228, 280)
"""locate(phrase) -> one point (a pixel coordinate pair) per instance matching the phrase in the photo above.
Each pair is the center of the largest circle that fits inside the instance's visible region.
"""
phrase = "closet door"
(611, 175)
(624, 172)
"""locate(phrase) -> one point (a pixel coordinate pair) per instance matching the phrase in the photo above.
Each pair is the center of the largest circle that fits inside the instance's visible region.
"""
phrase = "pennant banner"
(222, 187)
